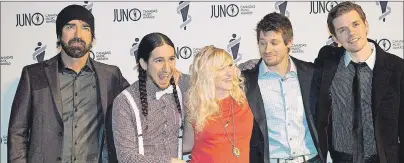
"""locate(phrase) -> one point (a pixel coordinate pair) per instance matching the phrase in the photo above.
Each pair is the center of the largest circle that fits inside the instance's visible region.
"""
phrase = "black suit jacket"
(35, 132)
(259, 146)
(387, 101)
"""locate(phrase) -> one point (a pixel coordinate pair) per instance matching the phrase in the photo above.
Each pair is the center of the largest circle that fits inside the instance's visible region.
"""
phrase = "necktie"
(163, 92)
(358, 152)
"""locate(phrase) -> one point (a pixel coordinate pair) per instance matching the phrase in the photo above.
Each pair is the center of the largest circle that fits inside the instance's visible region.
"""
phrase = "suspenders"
(139, 124)
(137, 118)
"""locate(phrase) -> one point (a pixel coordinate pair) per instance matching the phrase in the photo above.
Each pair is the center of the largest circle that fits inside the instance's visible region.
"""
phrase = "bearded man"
(62, 106)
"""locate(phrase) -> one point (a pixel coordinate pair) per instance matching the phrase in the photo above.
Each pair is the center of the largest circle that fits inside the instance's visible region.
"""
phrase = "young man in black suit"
(360, 108)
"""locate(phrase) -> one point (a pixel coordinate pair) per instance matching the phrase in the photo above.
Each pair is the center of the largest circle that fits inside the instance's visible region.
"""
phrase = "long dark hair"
(146, 46)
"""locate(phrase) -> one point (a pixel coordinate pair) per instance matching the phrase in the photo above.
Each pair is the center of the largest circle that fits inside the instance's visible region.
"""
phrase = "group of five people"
(349, 102)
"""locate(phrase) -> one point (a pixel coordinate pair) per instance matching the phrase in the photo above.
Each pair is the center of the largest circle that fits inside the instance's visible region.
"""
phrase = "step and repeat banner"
(28, 33)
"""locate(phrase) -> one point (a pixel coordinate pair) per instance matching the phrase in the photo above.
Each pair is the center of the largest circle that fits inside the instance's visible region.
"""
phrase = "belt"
(298, 159)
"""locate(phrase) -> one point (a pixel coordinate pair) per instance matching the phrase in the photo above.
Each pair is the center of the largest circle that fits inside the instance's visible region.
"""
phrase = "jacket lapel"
(323, 109)
(256, 104)
(102, 84)
(51, 71)
(330, 66)
(380, 78)
(329, 70)
(305, 76)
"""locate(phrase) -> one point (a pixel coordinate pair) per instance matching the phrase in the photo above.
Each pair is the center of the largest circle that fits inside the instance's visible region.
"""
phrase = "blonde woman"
(217, 109)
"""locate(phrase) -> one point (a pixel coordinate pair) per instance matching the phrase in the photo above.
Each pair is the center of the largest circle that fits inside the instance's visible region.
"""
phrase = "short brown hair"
(275, 22)
(340, 9)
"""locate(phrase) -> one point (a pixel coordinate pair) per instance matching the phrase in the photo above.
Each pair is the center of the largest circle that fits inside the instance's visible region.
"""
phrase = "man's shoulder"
(35, 68)
(299, 62)
(328, 52)
(105, 67)
(394, 61)
(252, 70)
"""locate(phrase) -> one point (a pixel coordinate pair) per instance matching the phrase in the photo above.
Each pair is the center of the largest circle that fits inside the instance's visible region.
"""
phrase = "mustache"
(76, 40)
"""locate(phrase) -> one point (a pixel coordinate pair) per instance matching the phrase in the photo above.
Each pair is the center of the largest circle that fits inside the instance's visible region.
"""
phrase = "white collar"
(370, 61)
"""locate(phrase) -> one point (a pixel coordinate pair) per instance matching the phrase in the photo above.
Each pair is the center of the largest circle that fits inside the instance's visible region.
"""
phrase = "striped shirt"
(343, 105)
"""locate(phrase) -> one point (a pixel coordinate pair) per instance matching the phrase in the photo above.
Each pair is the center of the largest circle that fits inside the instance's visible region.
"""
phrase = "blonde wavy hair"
(202, 104)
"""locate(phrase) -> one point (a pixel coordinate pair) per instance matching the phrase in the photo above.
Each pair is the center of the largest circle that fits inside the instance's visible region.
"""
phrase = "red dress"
(212, 145)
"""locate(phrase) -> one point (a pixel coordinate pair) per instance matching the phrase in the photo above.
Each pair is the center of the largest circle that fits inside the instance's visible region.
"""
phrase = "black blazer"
(259, 147)
(35, 132)
(387, 101)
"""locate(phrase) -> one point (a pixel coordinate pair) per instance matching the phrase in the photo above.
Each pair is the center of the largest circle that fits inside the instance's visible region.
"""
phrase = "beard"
(75, 51)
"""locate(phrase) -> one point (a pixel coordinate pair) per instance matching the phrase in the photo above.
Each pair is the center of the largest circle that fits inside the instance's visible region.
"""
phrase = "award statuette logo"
(233, 48)
(39, 53)
(281, 7)
(183, 9)
(386, 10)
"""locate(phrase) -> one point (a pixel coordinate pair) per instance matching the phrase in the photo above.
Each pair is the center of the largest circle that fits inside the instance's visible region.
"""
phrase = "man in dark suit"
(360, 109)
(279, 94)
(62, 106)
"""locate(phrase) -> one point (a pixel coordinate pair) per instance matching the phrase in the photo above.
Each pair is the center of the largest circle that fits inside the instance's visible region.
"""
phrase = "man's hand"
(250, 64)
(176, 75)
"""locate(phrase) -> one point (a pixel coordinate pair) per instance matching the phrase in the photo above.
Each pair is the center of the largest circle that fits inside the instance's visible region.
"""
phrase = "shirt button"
(75, 126)
(58, 159)
(75, 109)
(75, 143)
(75, 94)
(60, 133)
(290, 138)
(74, 159)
